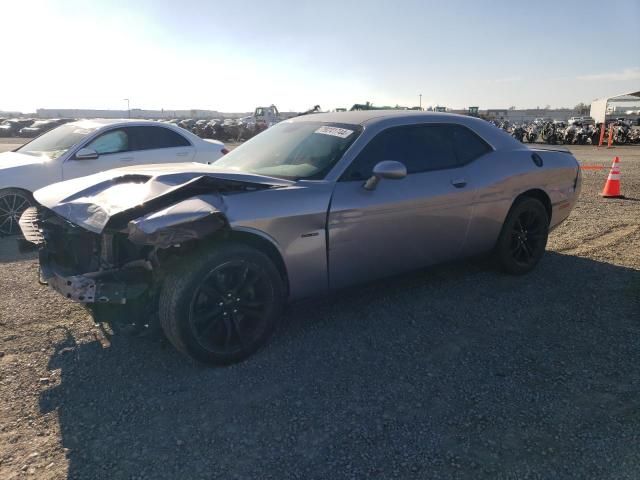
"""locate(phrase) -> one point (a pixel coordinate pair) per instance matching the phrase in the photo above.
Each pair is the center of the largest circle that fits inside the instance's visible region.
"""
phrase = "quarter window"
(468, 146)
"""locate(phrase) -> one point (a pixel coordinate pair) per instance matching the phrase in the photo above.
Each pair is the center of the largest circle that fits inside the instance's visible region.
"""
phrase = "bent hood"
(112, 198)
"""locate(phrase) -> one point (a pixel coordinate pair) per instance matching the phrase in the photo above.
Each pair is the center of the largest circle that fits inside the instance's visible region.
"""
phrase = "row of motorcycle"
(559, 133)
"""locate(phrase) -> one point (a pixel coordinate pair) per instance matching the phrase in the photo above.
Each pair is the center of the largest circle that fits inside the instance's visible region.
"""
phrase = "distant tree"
(513, 107)
(582, 108)
(547, 107)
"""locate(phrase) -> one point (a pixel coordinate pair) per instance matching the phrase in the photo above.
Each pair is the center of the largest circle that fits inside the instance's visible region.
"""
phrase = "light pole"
(128, 108)
(420, 95)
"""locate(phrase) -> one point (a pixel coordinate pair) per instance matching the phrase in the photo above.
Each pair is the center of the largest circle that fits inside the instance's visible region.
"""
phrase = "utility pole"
(420, 95)
(128, 108)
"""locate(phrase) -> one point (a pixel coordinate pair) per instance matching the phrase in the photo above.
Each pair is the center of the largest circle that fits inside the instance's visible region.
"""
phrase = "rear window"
(151, 138)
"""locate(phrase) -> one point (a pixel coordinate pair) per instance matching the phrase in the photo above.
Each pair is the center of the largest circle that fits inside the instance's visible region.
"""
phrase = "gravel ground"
(10, 143)
(452, 372)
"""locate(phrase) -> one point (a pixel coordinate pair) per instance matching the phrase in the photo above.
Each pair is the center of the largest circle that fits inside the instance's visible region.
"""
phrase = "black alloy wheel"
(220, 304)
(527, 235)
(227, 310)
(524, 235)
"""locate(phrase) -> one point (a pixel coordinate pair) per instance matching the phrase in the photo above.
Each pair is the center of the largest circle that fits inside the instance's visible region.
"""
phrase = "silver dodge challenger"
(313, 204)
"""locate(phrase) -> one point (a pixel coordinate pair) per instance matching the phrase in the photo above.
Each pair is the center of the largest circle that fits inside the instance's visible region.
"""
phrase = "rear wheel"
(523, 238)
(220, 306)
(13, 203)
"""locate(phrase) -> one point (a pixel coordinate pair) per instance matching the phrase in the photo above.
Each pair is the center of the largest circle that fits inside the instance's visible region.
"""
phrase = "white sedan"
(89, 146)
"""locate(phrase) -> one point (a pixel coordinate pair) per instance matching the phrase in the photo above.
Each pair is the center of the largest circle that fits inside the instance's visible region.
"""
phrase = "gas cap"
(537, 159)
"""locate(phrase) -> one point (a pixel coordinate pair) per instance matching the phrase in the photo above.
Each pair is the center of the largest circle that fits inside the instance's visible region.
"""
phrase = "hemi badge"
(312, 234)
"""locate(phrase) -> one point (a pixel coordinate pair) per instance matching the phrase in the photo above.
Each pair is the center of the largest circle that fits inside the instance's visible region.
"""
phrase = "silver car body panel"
(332, 233)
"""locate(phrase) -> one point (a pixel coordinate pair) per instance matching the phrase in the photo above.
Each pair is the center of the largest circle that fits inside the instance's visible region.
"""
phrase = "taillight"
(224, 151)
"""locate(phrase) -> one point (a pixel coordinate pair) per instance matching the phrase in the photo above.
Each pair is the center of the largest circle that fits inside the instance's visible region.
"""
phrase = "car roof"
(370, 117)
(496, 137)
(104, 122)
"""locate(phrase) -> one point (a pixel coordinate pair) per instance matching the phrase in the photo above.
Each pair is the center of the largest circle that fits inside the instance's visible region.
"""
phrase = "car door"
(157, 144)
(114, 149)
(402, 224)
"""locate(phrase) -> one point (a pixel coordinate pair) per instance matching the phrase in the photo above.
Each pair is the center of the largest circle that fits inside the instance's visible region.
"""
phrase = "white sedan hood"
(15, 159)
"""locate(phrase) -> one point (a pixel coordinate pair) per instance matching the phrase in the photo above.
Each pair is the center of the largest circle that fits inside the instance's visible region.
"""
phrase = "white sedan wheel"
(13, 203)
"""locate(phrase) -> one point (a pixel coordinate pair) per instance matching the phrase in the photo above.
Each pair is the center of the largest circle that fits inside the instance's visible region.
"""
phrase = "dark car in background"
(41, 126)
(11, 127)
(187, 123)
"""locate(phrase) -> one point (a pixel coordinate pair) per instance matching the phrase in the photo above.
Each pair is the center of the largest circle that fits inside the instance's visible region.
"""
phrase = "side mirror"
(389, 169)
(86, 154)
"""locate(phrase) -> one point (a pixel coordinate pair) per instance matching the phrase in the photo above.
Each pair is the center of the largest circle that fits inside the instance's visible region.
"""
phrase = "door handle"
(459, 182)
(126, 159)
(182, 154)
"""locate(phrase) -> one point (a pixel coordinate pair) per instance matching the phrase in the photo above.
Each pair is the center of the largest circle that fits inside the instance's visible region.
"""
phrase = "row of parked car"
(29, 127)
(218, 129)
(225, 130)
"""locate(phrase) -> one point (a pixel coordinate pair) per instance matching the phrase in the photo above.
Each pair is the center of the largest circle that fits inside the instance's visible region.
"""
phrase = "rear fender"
(561, 180)
(504, 176)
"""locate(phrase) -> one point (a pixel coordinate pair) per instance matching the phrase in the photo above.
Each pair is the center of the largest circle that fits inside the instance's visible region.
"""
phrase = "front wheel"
(523, 238)
(221, 305)
(13, 203)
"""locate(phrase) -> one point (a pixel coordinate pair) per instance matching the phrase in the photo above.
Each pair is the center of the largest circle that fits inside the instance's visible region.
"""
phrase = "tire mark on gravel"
(605, 239)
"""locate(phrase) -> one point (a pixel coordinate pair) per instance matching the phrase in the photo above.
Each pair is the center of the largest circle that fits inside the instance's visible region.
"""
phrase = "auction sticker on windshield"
(334, 131)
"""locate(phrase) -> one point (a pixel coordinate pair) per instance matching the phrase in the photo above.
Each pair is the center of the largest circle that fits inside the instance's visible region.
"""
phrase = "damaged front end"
(84, 266)
(127, 229)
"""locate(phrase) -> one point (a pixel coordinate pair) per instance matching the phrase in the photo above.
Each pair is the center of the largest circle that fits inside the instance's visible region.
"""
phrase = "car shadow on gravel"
(456, 371)
(9, 251)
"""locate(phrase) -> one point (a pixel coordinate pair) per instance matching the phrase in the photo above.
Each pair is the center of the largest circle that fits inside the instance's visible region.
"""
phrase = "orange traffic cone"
(612, 186)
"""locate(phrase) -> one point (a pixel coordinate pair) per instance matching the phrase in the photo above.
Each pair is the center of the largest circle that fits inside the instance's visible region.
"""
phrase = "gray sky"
(233, 56)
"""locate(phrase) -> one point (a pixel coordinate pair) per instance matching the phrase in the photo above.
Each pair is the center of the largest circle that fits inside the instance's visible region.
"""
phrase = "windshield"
(293, 150)
(56, 142)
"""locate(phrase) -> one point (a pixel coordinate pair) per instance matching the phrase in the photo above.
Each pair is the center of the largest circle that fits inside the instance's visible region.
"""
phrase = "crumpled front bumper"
(107, 286)
(61, 270)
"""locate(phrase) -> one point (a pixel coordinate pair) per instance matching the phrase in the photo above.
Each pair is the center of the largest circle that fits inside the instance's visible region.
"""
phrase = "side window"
(378, 149)
(150, 138)
(111, 142)
(419, 147)
(429, 148)
(467, 145)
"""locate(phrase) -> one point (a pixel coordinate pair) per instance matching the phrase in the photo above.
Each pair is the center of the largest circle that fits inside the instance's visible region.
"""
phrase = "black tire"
(222, 304)
(523, 237)
(13, 203)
